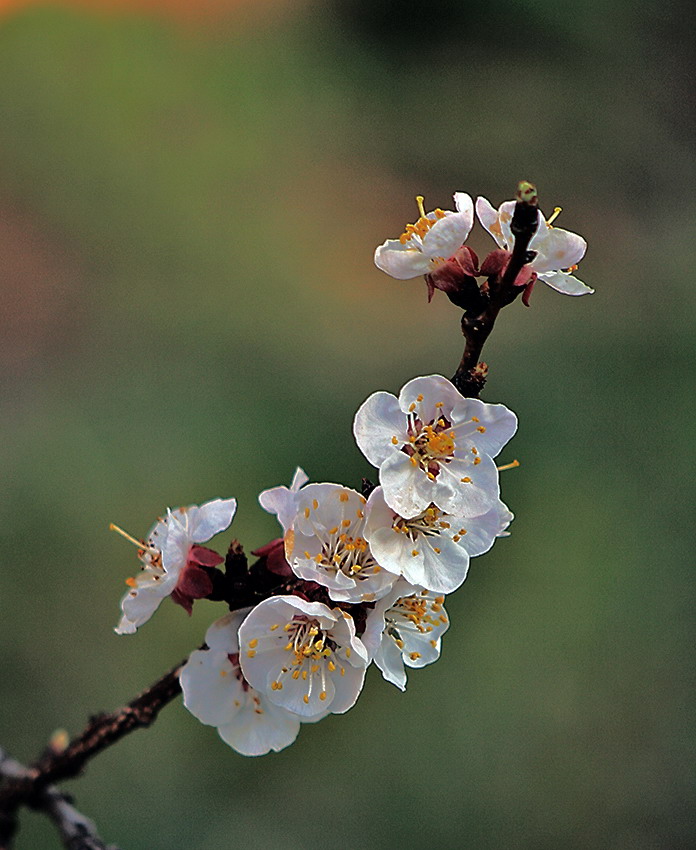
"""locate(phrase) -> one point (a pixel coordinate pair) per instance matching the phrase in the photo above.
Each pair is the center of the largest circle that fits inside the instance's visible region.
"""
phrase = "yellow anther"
(348, 652)
(331, 666)
(395, 441)
(344, 496)
(481, 429)
(431, 476)
(295, 674)
(439, 404)
(433, 643)
(437, 551)
(251, 653)
(322, 695)
(345, 523)
(131, 582)
(412, 407)
(304, 675)
(421, 209)
(465, 480)
(306, 554)
(419, 398)
(477, 461)
(475, 419)
(440, 599)
(414, 460)
(305, 699)
(414, 656)
(343, 671)
(399, 643)
(456, 538)
(444, 524)
(333, 530)
(275, 626)
(314, 668)
(306, 513)
(414, 552)
(474, 450)
(288, 646)
(512, 465)
(443, 619)
(360, 514)
(556, 212)
(253, 643)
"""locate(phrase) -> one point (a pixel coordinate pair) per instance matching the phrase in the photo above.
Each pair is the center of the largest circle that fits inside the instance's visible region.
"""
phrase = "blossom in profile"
(405, 630)
(303, 656)
(216, 692)
(326, 544)
(434, 446)
(428, 243)
(433, 548)
(172, 562)
(558, 251)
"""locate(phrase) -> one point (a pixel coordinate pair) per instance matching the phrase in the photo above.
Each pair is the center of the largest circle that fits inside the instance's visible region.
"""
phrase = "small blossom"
(432, 445)
(557, 251)
(433, 548)
(281, 501)
(326, 544)
(405, 628)
(303, 656)
(428, 243)
(216, 692)
(172, 563)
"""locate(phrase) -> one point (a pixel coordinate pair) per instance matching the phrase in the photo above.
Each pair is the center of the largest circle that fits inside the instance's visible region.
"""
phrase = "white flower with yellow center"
(216, 692)
(432, 445)
(558, 251)
(433, 548)
(170, 560)
(326, 544)
(304, 656)
(428, 243)
(405, 630)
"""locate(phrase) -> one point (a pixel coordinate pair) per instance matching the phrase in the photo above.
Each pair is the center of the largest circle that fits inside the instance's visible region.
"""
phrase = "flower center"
(150, 556)
(423, 225)
(429, 444)
(427, 523)
(421, 613)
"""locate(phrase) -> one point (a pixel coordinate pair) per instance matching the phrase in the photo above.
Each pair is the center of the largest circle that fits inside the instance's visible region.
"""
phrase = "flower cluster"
(356, 577)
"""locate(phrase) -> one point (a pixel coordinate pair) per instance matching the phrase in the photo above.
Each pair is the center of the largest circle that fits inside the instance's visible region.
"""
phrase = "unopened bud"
(58, 742)
(527, 193)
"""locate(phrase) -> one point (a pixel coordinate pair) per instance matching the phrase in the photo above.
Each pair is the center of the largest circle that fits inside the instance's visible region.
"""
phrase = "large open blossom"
(304, 656)
(172, 563)
(326, 544)
(433, 548)
(216, 692)
(432, 445)
(405, 630)
(558, 251)
(428, 243)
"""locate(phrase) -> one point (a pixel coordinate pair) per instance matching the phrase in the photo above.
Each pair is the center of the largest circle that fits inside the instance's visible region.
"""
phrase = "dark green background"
(187, 221)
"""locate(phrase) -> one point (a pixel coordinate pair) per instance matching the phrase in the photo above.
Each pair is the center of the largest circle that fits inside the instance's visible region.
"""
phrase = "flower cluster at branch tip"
(355, 577)
(433, 247)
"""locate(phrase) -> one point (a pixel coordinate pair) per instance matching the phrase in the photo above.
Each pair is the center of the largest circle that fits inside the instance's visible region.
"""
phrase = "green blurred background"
(190, 195)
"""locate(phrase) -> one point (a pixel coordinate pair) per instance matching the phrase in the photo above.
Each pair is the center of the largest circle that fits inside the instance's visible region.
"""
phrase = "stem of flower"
(500, 291)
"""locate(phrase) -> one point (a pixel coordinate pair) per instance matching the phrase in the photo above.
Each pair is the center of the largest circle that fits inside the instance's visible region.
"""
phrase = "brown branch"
(32, 786)
(500, 291)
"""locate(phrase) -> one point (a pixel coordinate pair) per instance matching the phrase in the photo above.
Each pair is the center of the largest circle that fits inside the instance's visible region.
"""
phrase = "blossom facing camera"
(558, 251)
(432, 549)
(303, 656)
(405, 630)
(216, 693)
(326, 544)
(434, 446)
(428, 243)
(172, 562)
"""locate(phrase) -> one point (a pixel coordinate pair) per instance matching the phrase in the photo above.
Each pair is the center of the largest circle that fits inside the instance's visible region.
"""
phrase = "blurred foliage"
(190, 310)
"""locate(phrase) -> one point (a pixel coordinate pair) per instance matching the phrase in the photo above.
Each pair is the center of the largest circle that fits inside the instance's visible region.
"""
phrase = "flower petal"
(448, 234)
(565, 283)
(556, 249)
(257, 730)
(434, 390)
(378, 419)
(402, 262)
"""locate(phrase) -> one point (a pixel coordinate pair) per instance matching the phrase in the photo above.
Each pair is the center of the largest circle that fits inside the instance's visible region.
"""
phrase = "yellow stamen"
(556, 212)
(512, 465)
(129, 537)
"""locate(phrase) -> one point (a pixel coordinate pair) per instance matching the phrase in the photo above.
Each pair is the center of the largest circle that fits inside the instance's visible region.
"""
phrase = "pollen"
(345, 523)
(412, 407)
(305, 699)
(436, 550)
(414, 656)
(475, 419)
(251, 653)
(344, 496)
(253, 643)
(322, 695)
(466, 480)
(275, 626)
(306, 513)
(414, 552)
(481, 429)
(333, 530)
(315, 504)
(419, 398)
(477, 461)
(395, 440)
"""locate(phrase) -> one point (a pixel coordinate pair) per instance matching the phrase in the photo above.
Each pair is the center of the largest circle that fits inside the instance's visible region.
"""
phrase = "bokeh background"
(190, 195)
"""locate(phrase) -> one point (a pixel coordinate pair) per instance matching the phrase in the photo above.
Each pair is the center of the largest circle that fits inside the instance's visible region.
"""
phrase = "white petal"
(464, 204)
(257, 731)
(486, 427)
(407, 488)
(210, 519)
(481, 531)
(378, 419)
(140, 602)
(488, 216)
(212, 690)
(565, 283)
(467, 498)
(441, 572)
(222, 634)
(447, 234)
(556, 249)
(435, 390)
(402, 262)
(391, 663)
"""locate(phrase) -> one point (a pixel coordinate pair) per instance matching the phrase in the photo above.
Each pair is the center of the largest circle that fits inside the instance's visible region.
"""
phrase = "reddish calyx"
(195, 581)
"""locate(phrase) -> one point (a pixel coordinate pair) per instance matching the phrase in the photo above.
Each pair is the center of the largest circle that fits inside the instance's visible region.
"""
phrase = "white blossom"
(433, 548)
(166, 553)
(405, 630)
(326, 544)
(216, 692)
(304, 656)
(432, 445)
(557, 251)
(428, 243)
